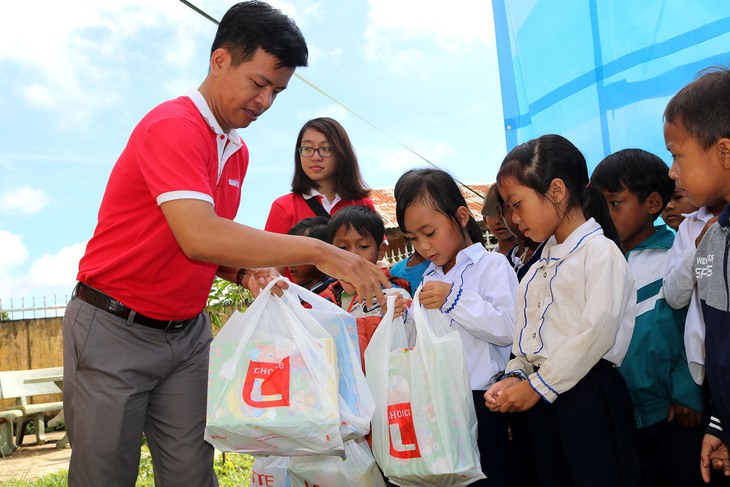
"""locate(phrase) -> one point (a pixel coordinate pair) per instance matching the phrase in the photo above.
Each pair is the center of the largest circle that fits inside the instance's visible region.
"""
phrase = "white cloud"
(48, 281)
(24, 200)
(302, 13)
(74, 60)
(317, 54)
(58, 269)
(411, 23)
(12, 250)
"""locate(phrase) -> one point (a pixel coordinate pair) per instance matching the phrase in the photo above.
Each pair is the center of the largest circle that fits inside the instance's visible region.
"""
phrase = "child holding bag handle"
(575, 312)
(474, 288)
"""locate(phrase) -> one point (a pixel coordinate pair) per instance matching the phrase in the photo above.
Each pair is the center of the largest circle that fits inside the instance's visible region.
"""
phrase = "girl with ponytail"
(474, 288)
(575, 314)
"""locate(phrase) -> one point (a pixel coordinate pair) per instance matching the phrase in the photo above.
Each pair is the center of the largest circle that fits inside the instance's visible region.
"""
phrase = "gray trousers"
(122, 379)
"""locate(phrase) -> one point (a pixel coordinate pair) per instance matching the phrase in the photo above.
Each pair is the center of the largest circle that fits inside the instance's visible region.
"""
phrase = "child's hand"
(714, 453)
(491, 397)
(520, 397)
(400, 305)
(434, 293)
(688, 418)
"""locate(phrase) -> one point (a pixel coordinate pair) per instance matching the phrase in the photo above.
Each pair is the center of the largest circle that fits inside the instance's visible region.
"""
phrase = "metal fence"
(31, 309)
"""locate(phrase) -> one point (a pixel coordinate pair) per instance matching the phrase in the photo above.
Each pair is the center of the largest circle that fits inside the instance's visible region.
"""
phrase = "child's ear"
(723, 145)
(463, 214)
(381, 250)
(557, 191)
(654, 203)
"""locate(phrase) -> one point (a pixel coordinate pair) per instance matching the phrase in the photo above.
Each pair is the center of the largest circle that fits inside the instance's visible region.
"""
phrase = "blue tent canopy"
(600, 72)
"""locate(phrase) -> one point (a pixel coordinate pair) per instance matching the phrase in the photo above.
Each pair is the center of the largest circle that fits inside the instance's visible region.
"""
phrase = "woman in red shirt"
(326, 177)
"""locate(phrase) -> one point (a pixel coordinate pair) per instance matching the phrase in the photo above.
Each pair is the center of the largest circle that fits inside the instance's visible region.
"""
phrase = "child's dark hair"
(363, 219)
(350, 185)
(636, 170)
(703, 107)
(436, 189)
(248, 26)
(315, 227)
(537, 162)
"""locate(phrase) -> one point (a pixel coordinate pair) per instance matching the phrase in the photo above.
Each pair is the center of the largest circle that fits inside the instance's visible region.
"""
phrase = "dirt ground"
(32, 461)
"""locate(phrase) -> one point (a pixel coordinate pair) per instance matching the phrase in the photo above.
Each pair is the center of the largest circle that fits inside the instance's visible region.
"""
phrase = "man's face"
(240, 94)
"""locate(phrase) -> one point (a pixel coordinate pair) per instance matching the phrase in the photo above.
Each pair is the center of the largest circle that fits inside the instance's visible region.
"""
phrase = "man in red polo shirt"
(136, 339)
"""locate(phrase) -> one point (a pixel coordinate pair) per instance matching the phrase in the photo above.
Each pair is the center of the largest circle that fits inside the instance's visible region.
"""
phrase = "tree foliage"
(225, 298)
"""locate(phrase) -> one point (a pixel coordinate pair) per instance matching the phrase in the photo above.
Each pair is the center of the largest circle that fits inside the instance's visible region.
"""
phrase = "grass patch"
(233, 470)
(57, 479)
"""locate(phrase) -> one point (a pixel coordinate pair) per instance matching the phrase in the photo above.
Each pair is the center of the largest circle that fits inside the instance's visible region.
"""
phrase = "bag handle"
(429, 321)
(254, 312)
(303, 294)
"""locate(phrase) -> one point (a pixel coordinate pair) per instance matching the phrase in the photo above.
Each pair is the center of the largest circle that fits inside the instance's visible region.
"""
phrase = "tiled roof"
(385, 202)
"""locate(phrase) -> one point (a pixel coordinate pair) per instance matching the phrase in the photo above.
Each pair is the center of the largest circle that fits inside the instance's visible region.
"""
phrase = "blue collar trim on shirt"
(554, 250)
(724, 218)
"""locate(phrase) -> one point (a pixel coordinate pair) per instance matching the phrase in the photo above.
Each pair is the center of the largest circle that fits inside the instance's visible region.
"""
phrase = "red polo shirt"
(173, 153)
(293, 208)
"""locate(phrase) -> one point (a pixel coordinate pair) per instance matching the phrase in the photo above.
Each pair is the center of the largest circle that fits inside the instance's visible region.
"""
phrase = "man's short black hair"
(248, 26)
(362, 218)
(636, 170)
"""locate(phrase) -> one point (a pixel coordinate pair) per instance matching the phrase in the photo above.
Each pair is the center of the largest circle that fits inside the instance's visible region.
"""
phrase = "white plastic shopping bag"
(357, 469)
(356, 402)
(424, 426)
(272, 383)
(270, 472)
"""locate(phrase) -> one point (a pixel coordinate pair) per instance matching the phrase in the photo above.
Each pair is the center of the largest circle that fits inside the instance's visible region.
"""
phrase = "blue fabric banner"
(600, 72)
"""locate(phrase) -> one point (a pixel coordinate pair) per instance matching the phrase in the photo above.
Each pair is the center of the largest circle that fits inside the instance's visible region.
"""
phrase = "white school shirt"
(680, 289)
(575, 306)
(481, 307)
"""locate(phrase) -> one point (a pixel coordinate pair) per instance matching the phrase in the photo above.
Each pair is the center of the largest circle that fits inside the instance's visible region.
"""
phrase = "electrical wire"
(320, 90)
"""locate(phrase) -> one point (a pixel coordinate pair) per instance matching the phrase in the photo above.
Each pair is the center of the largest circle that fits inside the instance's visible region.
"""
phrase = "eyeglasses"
(322, 151)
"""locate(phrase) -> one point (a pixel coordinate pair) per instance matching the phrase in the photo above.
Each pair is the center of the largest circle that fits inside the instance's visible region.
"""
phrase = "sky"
(77, 76)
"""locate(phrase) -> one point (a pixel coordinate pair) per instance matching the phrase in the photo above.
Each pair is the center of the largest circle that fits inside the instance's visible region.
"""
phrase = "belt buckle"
(116, 308)
(175, 325)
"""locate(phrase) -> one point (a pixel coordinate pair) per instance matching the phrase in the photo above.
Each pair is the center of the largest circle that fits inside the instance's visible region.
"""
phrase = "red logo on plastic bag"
(267, 384)
(402, 432)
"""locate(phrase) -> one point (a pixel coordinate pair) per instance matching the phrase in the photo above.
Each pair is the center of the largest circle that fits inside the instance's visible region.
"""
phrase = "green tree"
(225, 298)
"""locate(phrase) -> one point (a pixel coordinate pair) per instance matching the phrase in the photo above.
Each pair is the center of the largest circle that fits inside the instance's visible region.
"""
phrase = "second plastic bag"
(357, 469)
(424, 426)
(270, 472)
(272, 386)
(356, 402)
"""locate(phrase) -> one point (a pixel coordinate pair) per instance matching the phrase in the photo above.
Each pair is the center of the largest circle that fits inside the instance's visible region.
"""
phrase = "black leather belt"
(107, 303)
